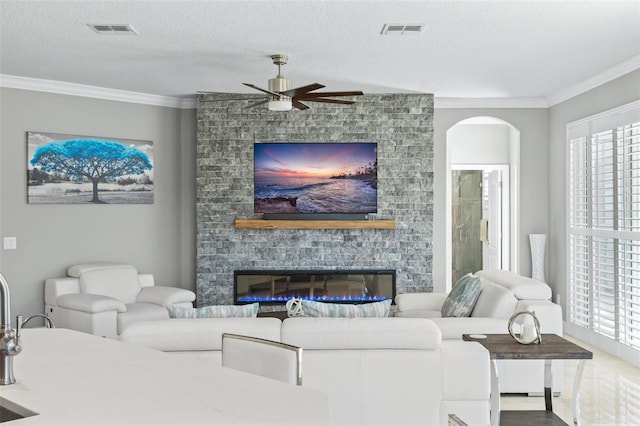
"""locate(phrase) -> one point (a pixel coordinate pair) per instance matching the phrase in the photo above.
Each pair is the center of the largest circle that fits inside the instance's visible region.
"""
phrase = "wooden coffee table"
(503, 346)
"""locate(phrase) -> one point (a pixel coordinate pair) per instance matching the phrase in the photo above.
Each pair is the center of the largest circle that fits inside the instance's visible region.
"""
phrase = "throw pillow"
(463, 297)
(312, 308)
(216, 311)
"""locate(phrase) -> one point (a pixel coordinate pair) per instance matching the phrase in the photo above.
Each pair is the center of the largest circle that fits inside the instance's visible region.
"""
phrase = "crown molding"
(606, 76)
(443, 103)
(83, 90)
(189, 103)
(74, 89)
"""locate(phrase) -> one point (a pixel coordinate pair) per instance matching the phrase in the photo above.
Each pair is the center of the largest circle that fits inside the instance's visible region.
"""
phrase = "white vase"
(537, 243)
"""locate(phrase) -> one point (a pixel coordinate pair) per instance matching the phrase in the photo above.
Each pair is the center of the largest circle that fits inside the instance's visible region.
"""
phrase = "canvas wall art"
(70, 169)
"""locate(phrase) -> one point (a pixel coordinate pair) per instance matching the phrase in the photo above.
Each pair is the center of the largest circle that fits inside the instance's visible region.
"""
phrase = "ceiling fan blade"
(299, 105)
(262, 90)
(304, 89)
(256, 104)
(233, 99)
(330, 94)
(329, 101)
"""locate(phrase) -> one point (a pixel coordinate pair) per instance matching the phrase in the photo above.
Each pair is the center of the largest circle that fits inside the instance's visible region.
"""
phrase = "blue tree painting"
(62, 167)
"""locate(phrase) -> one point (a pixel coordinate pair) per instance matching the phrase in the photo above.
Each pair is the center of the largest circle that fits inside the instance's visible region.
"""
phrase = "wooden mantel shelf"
(314, 224)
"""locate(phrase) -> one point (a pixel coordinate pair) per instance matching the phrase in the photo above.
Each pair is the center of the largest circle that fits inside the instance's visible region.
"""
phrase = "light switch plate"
(10, 243)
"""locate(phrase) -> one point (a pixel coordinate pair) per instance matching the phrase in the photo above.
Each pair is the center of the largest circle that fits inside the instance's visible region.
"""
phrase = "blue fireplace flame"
(328, 299)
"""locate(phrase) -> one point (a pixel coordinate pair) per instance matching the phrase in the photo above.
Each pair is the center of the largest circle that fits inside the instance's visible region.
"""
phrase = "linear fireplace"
(339, 286)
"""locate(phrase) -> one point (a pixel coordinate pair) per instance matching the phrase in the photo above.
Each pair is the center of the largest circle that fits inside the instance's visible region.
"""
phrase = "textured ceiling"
(468, 49)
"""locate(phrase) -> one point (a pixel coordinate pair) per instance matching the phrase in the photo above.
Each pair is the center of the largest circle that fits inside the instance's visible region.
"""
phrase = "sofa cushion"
(418, 313)
(420, 301)
(140, 312)
(312, 308)
(180, 335)
(118, 282)
(361, 333)
(454, 328)
(214, 311)
(91, 303)
(494, 302)
(521, 287)
(165, 296)
(76, 270)
(462, 298)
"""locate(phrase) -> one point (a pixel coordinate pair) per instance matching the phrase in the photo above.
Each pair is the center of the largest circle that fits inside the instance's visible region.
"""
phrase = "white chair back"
(263, 357)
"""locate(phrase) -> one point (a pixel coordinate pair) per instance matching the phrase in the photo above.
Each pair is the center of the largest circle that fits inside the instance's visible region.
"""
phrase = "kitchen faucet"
(10, 344)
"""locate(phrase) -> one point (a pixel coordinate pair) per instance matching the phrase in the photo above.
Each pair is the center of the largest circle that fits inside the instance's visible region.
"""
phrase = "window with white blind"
(603, 268)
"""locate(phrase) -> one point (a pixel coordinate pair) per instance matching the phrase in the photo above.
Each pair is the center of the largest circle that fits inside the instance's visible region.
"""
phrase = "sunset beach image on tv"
(315, 178)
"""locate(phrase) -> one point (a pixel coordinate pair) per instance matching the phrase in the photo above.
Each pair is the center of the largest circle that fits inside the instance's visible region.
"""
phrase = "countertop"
(73, 378)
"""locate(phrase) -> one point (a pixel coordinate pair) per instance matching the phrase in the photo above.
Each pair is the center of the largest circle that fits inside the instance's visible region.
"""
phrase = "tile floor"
(609, 392)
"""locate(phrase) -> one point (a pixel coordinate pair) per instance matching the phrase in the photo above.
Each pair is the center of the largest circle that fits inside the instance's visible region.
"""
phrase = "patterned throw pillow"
(463, 297)
(216, 311)
(311, 308)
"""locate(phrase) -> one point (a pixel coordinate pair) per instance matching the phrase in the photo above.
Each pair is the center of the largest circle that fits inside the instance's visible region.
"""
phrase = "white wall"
(534, 183)
(618, 92)
(157, 238)
(480, 144)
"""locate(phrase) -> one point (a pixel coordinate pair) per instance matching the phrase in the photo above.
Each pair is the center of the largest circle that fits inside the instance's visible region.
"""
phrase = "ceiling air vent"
(113, 29)
(402, 29)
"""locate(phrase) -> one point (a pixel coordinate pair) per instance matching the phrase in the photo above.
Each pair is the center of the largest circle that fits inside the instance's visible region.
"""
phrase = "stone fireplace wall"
(402, 126)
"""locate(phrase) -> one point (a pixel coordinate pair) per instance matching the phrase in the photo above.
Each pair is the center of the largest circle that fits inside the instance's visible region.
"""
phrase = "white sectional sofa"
(503, 294)
(376, 371)
(385, 371)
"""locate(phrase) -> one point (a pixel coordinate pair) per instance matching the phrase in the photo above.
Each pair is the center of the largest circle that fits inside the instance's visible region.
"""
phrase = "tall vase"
(537, 243)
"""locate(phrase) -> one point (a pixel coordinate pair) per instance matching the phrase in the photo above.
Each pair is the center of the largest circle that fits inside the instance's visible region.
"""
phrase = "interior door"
(480, 218)
(492, 221)
(466, 197)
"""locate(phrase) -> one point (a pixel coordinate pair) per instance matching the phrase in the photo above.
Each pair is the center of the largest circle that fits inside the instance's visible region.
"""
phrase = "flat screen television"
(315, 180)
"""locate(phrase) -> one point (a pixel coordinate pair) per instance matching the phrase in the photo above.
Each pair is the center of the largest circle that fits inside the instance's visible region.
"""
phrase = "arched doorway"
(482, 171)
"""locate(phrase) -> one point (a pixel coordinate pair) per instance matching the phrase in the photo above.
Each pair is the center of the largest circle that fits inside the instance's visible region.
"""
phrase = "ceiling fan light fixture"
(279, 97)
(280, 104)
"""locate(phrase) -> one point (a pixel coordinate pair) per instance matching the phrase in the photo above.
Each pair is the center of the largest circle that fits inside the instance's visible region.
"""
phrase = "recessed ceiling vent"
(402, 29)
(113, 29)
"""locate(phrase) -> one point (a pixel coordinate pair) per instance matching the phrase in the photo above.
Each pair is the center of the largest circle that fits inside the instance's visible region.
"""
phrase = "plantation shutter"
(628, 290)
(604, 225)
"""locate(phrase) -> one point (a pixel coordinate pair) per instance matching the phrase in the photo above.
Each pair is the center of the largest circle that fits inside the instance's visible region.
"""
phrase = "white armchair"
(103, 298)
